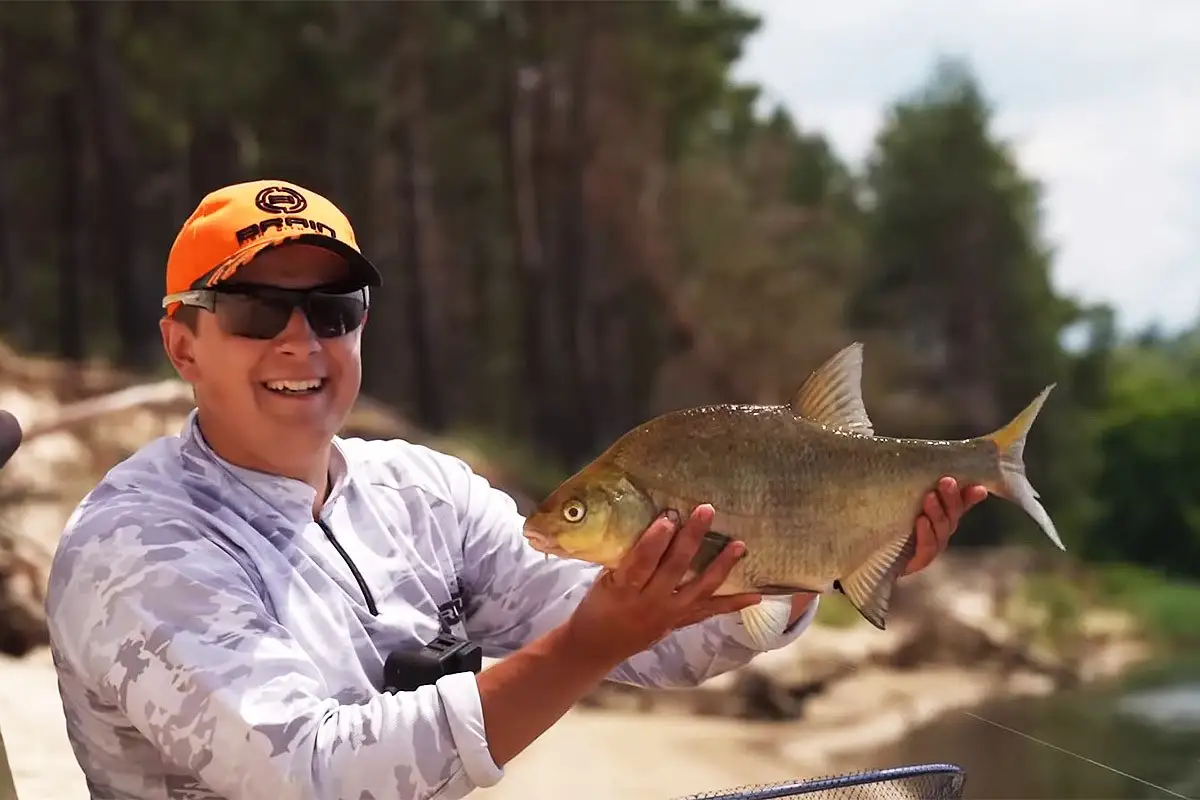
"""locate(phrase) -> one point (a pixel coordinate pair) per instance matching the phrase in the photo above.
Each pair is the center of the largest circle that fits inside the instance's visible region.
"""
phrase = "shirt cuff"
(464, 712)
(732, 625)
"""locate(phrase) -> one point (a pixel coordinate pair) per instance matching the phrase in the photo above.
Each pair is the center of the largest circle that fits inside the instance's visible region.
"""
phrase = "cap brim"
(361, 267)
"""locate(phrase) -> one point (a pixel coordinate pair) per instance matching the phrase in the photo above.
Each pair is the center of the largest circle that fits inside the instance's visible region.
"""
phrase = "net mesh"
(921, 782)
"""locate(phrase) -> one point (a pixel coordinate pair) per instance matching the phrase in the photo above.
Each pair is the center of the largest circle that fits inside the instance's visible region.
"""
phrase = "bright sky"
(1101, 98)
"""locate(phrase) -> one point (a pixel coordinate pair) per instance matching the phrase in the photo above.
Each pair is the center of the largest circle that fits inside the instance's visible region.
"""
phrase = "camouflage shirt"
(213, 641)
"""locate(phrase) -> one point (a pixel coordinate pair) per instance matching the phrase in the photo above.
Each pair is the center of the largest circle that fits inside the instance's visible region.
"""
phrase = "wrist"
(580, 650)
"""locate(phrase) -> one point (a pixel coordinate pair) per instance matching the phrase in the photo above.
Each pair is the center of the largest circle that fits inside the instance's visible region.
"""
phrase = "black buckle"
(407, 670)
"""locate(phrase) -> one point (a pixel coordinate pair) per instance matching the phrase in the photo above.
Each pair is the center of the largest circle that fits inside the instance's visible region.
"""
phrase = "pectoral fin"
(766, 621)
(869, 588)
(710, 547)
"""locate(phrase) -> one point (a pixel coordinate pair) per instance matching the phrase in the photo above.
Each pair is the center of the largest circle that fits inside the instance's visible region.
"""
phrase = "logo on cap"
(280, 200)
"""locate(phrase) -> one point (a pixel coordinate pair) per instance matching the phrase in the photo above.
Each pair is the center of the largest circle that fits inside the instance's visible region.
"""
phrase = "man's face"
(241, 384)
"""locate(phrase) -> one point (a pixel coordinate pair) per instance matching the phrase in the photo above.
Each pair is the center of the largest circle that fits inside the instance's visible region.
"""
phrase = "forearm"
(526, 693)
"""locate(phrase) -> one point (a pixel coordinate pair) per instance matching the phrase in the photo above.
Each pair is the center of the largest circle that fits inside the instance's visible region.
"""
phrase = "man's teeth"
(295, 386)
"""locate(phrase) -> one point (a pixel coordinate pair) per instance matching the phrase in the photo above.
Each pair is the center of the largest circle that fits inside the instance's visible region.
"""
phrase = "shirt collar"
(291, 497)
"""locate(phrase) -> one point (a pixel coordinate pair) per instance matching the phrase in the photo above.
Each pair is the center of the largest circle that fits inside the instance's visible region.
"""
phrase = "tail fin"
(1010, 441)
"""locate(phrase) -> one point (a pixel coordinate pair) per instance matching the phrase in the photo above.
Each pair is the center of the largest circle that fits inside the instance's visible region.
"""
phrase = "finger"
(973, 496)
(927, 547)
(674, 565)
(715, 606)
(951, 498)
(933, 510)
(703, 585)
(640, 562)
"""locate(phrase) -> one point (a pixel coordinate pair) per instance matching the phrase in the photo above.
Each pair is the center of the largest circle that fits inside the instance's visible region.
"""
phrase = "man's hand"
(631, 607)
(625, 611)
(942, 511)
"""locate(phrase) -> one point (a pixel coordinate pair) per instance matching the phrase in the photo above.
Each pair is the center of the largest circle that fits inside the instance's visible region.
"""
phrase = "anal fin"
(869, 588)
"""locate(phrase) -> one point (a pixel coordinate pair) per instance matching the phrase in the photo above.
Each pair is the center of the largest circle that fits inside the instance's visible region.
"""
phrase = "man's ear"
(179, 344)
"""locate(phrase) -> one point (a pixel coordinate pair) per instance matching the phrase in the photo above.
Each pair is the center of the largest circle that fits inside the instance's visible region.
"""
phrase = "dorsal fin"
(832, 395)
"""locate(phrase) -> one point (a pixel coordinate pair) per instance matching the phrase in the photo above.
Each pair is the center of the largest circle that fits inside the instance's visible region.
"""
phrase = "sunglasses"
(263, 312)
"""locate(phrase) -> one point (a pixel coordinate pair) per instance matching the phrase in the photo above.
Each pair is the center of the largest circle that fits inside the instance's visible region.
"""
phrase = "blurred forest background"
(584, 221)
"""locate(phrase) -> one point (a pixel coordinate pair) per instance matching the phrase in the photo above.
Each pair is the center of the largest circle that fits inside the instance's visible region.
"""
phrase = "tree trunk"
(528, 250)
(427, 287)
(136, 312)
(71, 345)
(14, 286)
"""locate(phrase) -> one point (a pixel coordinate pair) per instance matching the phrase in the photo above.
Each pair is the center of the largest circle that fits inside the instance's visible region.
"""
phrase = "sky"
(1100, 99)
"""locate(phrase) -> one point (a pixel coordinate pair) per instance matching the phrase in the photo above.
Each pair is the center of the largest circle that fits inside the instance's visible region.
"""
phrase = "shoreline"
(668, 745)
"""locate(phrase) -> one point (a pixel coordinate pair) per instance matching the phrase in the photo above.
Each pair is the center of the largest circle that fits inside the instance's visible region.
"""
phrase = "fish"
(821, 502)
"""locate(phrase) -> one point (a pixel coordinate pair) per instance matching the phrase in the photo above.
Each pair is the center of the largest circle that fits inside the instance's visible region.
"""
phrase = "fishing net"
(921, 782)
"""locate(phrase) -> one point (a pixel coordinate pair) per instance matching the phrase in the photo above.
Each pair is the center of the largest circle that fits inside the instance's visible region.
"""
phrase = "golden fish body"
(810, 502)
(817, 497)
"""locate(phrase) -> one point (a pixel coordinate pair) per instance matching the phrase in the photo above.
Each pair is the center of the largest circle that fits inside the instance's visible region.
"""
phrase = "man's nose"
(298, 338)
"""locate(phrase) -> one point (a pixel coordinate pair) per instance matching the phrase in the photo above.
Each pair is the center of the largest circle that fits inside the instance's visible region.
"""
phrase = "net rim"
(850, 780)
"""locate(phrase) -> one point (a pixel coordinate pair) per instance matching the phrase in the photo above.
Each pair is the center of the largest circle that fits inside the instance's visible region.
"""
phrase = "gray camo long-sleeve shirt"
(213, 641)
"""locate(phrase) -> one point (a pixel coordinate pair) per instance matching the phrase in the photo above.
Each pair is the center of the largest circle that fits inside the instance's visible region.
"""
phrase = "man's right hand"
(631, 607)
(625, 611)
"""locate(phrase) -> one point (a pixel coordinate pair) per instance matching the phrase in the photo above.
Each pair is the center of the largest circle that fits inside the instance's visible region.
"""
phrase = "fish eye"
(573, 511)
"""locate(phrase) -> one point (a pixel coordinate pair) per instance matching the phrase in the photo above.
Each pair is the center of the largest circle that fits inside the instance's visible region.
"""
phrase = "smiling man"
(223, 604)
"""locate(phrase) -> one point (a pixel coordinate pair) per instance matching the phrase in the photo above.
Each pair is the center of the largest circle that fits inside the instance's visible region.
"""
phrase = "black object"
(10, 436)
(406, 670)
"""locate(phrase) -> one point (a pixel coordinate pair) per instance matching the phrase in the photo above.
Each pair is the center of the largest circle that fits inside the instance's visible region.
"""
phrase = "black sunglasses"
(263, 312)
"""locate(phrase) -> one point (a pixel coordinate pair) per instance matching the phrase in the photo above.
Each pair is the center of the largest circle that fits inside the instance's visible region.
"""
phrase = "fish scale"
(818, 498)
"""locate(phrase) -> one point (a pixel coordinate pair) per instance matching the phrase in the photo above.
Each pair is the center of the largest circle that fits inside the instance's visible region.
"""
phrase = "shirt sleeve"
(515, 594)
(168, 627)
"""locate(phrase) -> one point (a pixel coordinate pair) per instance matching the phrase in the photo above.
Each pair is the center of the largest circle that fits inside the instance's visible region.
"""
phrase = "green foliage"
(835, 611)
(1165, 609)
(1169, 610)
(1150, 435)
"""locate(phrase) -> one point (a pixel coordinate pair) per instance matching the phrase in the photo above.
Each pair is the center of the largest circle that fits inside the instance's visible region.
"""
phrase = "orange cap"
(234, 224)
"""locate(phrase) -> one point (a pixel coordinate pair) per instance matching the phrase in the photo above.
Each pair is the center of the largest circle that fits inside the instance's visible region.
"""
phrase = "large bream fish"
(820, 501)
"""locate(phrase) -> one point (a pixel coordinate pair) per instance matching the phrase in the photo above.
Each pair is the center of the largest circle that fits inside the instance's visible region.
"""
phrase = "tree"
(957, 278)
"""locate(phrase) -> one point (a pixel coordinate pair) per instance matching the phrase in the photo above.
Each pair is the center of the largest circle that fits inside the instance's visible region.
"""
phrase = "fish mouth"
(542, 543)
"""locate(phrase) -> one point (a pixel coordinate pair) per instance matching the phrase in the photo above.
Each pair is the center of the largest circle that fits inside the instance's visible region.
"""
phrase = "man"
(221, 606)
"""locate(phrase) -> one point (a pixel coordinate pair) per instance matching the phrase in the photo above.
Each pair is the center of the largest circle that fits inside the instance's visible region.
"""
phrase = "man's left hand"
(941, 512)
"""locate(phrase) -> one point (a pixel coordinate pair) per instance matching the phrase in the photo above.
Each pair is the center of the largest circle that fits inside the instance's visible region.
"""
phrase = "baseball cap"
(235, 223)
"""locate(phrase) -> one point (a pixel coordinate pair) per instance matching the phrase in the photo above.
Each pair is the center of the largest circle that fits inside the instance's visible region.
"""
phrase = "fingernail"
(672, 515)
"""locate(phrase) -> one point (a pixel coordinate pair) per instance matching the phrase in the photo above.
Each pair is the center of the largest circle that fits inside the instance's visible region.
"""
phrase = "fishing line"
(856, 667)
(1093, 762)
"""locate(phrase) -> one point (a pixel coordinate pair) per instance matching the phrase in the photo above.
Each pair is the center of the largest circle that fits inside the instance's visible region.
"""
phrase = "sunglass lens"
(332, 315)
(252, 317)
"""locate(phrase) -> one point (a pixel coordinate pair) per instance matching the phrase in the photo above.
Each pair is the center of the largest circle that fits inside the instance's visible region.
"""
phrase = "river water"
(1147, 726)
